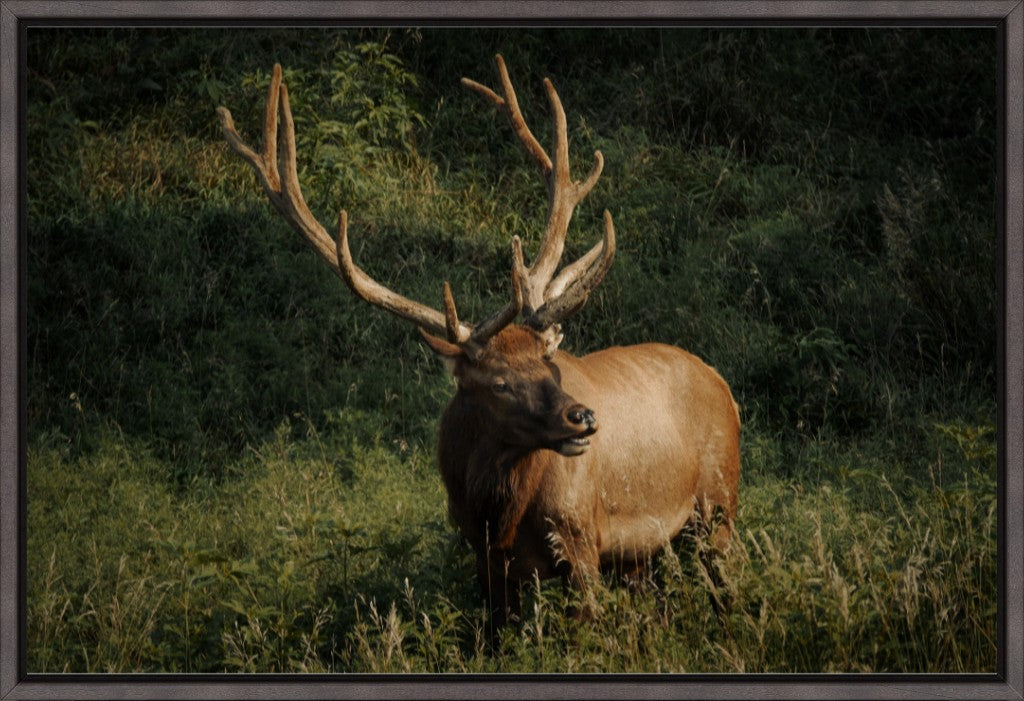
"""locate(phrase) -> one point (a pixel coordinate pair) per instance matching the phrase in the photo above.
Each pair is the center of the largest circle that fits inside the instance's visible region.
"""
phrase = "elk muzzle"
(582, 419)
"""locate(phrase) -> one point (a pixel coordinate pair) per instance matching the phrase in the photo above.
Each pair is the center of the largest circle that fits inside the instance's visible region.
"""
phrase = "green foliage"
(231, 460)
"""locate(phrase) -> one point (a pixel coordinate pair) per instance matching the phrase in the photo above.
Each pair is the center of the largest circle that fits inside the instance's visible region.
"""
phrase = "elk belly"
(637, 527)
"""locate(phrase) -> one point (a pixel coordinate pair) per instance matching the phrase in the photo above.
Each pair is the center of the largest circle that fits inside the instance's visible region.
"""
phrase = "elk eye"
(500, 387)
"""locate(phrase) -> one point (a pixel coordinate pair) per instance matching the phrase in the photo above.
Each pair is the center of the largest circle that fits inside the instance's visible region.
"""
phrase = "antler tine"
(266, 166)
(264, 163)
(574, 284)
(504, 317)
(605, 248)
(292, 204)
(510, 106)
(269, 154)
(562, 200)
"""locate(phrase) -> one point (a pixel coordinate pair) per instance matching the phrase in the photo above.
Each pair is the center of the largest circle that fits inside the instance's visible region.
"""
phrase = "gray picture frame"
(1006, 16)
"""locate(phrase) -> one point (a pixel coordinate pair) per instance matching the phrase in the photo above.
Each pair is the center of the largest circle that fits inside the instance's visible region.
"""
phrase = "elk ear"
(552, 338)
(447, 351)
(443, 348)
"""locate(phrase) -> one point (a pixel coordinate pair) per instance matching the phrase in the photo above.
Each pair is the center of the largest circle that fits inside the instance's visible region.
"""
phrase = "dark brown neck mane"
(497, 482)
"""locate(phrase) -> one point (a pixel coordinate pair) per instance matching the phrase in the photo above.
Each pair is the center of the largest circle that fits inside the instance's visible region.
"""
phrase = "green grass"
(231, 460)
(330, 551)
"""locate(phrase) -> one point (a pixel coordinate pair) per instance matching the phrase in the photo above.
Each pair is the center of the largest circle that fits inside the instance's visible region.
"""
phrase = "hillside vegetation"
(231, 459)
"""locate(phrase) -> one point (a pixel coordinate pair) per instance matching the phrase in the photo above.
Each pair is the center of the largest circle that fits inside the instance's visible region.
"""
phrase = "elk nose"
(580, 415)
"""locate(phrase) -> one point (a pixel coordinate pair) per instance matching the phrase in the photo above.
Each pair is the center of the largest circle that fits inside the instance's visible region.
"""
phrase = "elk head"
(516, 390)
(507, 368)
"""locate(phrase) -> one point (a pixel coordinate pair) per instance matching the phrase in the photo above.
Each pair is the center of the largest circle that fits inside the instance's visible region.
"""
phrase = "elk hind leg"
(714, 534)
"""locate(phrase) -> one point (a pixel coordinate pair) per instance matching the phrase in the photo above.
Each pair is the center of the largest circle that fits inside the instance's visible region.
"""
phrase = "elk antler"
(286, 195)
(548, 301)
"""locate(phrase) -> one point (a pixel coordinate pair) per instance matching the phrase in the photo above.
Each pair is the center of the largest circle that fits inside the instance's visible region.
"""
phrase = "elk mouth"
(574, 445)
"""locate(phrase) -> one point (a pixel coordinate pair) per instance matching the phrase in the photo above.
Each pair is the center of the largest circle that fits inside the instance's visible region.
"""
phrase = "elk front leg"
(501, 591)
(578, 563)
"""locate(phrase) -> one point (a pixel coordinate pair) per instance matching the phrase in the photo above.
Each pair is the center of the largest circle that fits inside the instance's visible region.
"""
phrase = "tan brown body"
(665, 455)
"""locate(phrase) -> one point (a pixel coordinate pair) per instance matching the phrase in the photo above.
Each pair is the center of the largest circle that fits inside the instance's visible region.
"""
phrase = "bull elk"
(554, 465)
